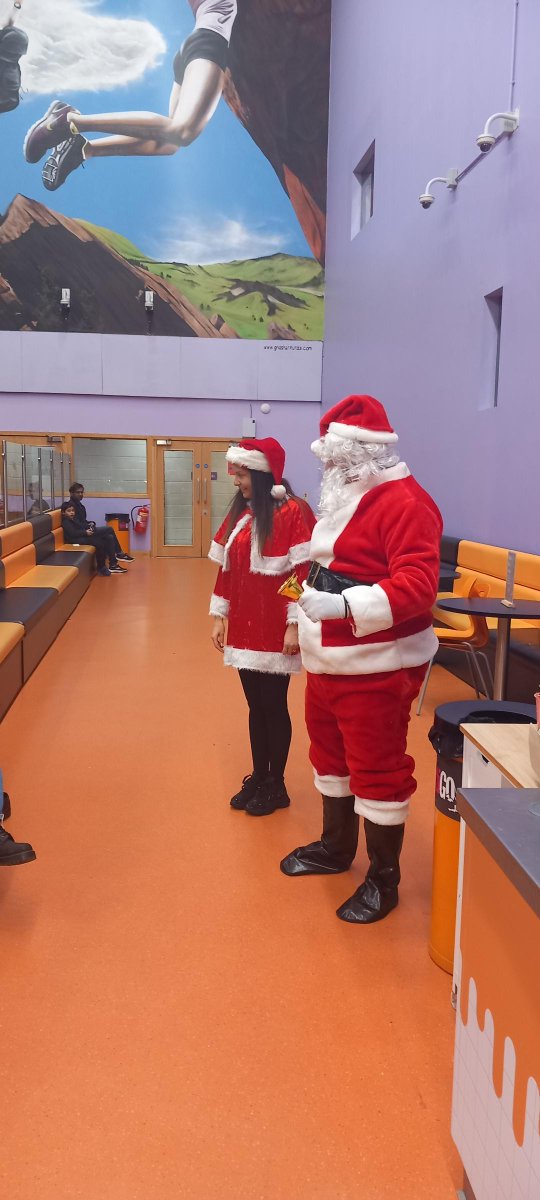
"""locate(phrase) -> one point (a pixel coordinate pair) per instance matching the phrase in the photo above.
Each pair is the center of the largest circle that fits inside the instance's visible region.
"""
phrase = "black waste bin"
(447, 740)
(120, 523)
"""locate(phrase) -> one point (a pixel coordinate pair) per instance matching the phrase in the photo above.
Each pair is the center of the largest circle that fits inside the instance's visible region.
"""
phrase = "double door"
(193, 492)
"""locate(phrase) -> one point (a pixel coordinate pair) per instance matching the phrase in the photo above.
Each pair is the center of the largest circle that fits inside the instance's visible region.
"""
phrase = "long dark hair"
(262, 504)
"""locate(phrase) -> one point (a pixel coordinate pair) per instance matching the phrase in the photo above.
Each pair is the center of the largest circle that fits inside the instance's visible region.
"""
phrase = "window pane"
(15, 500)
(116, 465)
(178, 497)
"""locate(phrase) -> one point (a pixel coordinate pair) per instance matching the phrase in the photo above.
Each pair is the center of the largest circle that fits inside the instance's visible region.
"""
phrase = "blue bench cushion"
(26, 605)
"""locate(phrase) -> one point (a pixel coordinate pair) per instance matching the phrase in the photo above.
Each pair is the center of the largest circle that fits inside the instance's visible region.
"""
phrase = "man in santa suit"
(366, 637)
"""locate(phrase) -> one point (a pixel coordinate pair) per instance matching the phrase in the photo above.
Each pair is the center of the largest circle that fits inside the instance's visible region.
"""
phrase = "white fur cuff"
(332, 785)
(382, 812)
(219, 606)
(292, 613)
(299, 553)
(216, 553)
(370, 609)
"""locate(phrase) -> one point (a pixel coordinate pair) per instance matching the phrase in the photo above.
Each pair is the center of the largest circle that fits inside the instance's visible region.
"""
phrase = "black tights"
(269, 721)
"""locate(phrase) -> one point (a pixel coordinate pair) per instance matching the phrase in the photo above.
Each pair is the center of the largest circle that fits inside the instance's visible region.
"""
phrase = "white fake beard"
(347, 461)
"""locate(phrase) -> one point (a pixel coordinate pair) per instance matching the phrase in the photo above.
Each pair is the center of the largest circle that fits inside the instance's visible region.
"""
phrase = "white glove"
(322, 606)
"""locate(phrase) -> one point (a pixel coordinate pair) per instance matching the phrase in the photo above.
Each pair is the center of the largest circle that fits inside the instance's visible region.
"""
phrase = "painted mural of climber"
(235, 225)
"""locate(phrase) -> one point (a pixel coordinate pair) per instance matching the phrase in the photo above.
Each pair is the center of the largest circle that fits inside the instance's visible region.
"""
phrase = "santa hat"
(358, 417)
(261, 454)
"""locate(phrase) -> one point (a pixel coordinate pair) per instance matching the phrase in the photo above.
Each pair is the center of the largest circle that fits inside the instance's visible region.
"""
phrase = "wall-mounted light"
(451, 180)
(163, 441)
(54, 438)
(510, 122)
(65, 303)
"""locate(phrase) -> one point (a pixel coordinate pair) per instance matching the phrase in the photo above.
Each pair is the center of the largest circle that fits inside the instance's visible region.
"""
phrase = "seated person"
(86, 534)
(76, 493)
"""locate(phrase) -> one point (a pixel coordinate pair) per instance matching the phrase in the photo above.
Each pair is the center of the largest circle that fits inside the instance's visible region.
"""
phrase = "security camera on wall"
(426, 200)
(510, 122)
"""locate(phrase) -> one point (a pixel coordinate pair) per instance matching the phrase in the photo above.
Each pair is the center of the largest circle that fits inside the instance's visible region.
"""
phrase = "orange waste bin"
(120, 523)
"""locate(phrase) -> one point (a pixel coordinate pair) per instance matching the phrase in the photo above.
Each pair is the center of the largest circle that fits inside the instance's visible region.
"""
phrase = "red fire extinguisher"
(140, 521)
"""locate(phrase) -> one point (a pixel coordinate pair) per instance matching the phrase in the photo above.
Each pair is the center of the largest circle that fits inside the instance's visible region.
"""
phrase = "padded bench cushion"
(15, 537)
(47, 577)
(26, 605)
(58, 535)
(10, 635)
(71, 558)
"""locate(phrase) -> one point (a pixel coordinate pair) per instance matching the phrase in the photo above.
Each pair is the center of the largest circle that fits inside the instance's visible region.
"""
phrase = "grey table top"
(504, 822)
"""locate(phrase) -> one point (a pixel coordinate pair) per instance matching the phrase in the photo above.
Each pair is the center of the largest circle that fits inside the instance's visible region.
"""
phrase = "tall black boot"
(378, 894)
(337, 847)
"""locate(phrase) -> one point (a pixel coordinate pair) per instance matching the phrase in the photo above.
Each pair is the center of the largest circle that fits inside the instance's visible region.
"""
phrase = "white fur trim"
(360, 435)
(216, 553)
(412, 651)
(219, 606)
(299, 553)
(332, 785)
(241, 524)
(268, 661)
(292, 613)
(278, 491)
(254, 460)
(370, 609)
(382, 812)
(262, 565)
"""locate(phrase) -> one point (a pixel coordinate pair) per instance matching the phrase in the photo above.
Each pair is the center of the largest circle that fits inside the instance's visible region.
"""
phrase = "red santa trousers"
(357, 726)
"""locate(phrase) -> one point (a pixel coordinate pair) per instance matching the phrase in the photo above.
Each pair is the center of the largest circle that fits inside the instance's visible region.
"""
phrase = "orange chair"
(467, 633)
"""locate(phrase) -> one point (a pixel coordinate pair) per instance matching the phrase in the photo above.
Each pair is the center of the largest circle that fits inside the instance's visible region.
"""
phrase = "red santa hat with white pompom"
(261, 454)
(361, 418)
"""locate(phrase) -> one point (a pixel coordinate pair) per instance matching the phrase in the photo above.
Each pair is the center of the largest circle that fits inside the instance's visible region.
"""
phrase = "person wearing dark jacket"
(77, 533)
(76, 493)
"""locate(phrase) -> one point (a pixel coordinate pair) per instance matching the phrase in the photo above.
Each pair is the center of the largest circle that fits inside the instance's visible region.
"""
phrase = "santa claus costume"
(366, 637)
(264, 538)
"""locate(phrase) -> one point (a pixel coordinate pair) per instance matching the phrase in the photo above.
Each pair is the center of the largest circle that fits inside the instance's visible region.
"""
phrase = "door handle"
(205, 493)
(198, 489)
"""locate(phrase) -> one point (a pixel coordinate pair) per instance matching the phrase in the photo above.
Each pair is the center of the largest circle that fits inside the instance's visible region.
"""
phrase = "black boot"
(336, 850)
(250, 784)
(378, 894)
(5, 811)
(12, 853)
(270, 795)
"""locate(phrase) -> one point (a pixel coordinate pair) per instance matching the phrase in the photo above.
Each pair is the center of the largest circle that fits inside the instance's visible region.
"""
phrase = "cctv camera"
(485, 142)
(426, 200)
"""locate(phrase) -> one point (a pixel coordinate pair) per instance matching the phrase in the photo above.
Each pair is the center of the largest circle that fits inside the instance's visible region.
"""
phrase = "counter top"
(503, 821)
(507, 746)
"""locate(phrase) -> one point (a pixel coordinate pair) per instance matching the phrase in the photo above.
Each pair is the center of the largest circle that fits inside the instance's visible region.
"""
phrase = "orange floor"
(179, 1021)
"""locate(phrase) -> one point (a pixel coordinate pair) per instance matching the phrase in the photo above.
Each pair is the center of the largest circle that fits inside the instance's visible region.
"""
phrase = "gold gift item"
(292, 589)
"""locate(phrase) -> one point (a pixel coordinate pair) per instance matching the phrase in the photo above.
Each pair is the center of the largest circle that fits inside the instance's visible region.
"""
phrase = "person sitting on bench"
(86, 534)
(76, 493)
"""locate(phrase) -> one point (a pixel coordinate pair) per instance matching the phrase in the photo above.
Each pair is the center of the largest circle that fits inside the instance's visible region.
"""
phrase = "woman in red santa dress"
(264, 538)
(366, 636)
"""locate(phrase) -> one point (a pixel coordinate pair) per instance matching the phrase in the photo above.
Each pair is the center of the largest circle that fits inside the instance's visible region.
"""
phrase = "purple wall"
(295, 425)
(405, 315)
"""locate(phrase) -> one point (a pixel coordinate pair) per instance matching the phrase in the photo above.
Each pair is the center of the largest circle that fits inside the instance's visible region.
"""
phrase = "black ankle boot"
(378, 895)
(250, 783)
(270, 795)
(336, 850)
(13, 853)
(5, 807)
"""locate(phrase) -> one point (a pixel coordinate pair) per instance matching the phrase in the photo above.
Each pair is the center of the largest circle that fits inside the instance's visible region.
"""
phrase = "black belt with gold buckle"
(324, 580)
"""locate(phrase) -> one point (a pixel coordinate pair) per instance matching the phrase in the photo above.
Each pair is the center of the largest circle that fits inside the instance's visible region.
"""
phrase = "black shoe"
(13, 853)
(125, 557)
(336, 850)
(250, 785)
(116, 569)
(378, 894)
(6, 807)
(49, 131)
(65, 159)
(270, 795)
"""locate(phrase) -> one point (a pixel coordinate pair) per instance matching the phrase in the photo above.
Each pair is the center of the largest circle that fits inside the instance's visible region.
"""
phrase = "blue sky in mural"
(219, 199)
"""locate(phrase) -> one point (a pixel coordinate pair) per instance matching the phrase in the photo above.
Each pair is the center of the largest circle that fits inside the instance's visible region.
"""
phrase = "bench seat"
(46, 577)
(11, 665)
(25, 605)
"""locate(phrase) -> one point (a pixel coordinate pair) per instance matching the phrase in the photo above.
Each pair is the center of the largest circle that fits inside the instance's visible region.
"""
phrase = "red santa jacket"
(388, 536)
(246, 590)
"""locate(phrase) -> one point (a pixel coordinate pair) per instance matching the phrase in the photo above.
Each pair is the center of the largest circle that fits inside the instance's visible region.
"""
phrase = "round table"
(521, 610)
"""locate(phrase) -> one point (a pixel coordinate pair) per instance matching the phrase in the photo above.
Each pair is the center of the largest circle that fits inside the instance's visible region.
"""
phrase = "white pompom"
(278, 491)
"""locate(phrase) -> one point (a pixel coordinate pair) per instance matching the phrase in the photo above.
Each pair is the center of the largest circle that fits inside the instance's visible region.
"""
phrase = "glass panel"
(223, 488)
(15, 499)
(3, 517)
(32, 481)
(178, 497)
(47, 499)
(67, 474)
(116, 465)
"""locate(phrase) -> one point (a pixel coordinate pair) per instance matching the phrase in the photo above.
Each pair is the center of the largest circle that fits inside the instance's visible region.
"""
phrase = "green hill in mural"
(276, 296)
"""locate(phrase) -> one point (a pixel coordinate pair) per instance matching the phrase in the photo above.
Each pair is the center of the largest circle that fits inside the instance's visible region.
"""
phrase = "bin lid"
(448, 717)
(117, 516)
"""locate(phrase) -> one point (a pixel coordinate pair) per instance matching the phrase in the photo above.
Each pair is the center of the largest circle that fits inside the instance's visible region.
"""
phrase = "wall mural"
(178, 147)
